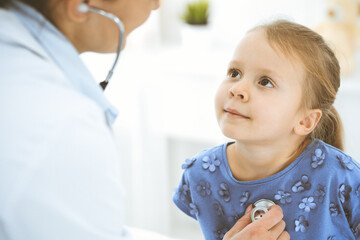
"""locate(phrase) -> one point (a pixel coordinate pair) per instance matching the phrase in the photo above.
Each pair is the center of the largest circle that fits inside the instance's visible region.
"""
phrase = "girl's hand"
(270, 226)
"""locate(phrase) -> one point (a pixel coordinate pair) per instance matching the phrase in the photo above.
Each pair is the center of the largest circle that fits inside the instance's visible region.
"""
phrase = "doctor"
(59, 173)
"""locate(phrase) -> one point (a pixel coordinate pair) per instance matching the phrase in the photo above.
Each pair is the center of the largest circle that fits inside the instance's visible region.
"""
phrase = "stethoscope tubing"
(121, 27)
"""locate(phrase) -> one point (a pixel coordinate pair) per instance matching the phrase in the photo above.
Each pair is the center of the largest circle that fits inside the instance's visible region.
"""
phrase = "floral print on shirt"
(303, 194)
(210, 163)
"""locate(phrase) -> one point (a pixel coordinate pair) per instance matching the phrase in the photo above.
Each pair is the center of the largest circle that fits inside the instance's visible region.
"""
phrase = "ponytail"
(330, 129)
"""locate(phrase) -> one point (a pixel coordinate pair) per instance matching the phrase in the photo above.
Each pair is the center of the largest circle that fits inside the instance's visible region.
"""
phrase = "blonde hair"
(322, 69)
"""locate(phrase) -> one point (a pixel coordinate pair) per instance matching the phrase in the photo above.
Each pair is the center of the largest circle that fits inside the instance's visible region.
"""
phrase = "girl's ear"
(306, 125)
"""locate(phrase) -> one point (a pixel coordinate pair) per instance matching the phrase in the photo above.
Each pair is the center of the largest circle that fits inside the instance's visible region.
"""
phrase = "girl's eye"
(266, 83)
(233, 73)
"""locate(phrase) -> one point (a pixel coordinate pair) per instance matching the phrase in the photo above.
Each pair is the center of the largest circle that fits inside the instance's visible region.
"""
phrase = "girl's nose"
(239, 90)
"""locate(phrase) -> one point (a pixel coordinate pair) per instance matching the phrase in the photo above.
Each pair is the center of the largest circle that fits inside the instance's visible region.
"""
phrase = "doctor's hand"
(270, 226)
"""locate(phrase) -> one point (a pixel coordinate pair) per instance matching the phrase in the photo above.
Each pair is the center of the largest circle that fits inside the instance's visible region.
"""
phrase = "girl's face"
(260, 99)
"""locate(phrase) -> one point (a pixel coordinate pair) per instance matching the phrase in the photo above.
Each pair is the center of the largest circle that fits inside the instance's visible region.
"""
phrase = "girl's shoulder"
(335, 157)
(216, 150)
(208, 156)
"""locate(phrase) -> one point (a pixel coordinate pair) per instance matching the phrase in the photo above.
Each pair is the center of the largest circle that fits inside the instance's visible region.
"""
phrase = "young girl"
(277, 104)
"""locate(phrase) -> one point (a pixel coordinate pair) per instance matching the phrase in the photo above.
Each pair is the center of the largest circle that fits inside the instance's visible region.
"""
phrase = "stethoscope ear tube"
(85, 8)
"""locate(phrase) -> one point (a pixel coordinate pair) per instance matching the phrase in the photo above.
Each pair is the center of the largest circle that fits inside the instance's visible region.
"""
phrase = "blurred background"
(164, 87)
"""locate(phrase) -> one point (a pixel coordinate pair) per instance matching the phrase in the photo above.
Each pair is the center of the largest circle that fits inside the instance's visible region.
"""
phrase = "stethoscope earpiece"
(83, 7)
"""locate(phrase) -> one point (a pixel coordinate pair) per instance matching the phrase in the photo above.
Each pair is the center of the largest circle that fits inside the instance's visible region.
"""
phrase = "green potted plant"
(196, 13)
(195, 30)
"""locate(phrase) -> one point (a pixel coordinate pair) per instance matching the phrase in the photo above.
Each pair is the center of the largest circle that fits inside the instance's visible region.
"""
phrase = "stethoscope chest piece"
(261, 207)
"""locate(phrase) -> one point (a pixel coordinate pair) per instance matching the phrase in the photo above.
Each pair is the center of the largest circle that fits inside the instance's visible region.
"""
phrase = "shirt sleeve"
(182, 197)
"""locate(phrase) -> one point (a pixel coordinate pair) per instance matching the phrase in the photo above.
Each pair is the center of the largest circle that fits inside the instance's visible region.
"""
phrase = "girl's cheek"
(220, 96)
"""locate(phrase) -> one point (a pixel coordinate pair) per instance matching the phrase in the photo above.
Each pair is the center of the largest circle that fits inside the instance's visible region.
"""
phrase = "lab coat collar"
(63, 54)
(12, 31)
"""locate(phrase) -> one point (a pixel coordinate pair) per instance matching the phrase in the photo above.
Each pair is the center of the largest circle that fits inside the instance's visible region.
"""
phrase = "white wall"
(164, 91)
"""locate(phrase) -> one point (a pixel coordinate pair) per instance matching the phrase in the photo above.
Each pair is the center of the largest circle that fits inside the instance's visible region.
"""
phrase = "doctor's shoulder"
(22, 58)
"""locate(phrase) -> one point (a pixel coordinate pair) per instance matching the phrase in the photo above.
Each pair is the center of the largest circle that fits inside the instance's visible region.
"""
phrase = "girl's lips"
(234, 113)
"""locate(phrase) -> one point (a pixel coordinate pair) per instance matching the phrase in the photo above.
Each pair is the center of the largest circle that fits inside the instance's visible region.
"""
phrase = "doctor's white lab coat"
(59, 172)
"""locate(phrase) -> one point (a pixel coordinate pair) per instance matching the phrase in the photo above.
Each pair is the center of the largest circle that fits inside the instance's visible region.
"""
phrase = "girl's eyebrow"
(268, 71)
(234, 63)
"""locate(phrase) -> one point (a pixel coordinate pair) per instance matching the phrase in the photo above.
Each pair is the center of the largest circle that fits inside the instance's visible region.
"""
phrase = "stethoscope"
(260, 208)
(83, 7)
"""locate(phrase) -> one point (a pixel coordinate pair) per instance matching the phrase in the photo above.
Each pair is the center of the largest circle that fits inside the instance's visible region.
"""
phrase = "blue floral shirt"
(319, 193)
